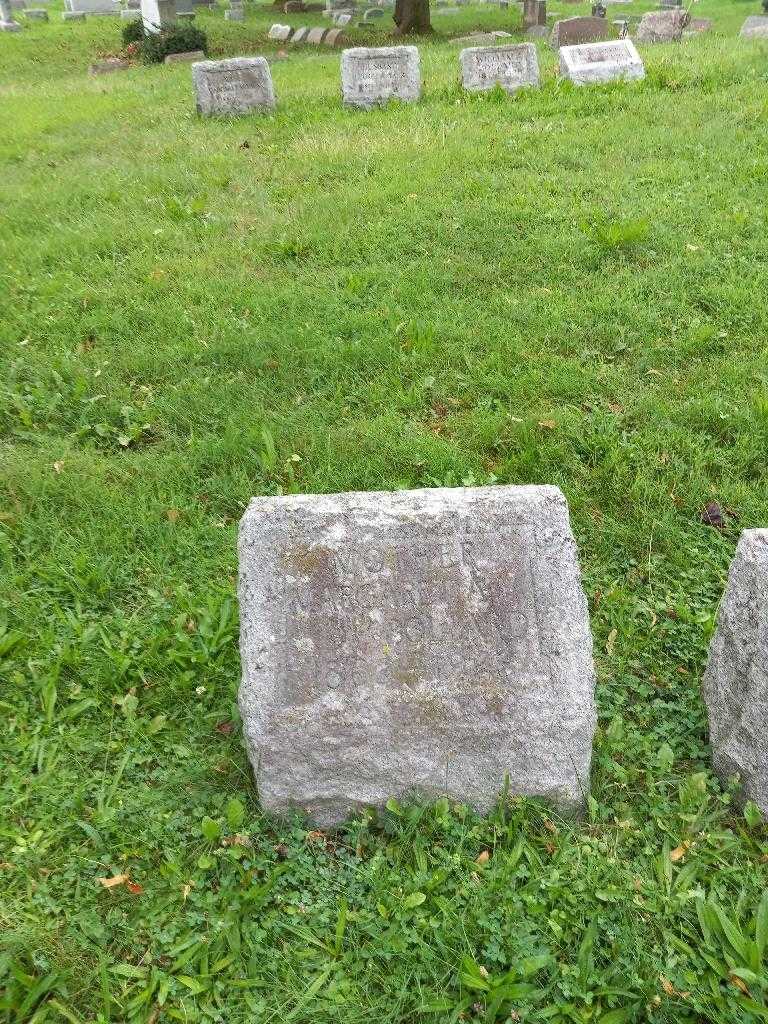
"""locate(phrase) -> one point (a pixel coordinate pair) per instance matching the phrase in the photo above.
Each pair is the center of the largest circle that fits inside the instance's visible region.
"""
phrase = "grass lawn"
(565, 287)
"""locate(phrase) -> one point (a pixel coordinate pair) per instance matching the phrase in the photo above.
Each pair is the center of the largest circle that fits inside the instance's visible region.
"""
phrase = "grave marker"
(431, 641)
(300, 35)
(511, 67)
(735, 684)
(374, 75)
(316, 36)
(158, 14)
(755, 26)
(7, 23)
(335, 37)
(661, 26)
(74, 15)
(590, 63)
(235, 86)
(574, 31)
(281, 33)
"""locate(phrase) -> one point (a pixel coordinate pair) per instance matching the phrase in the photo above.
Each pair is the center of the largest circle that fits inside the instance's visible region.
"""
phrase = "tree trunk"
(412, 16)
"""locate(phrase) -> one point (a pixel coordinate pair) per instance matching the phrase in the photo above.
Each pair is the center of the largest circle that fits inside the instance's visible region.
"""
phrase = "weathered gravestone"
(574, 31)
(601, 62)
(188, 57)
(109, 66)
(374, 75)
(432, 641)
(534, 13)
(281, 33)
(511, 67)
(735, 683)
(36, 13)
(92, 6)
(755, 25)
(7, 23)
(157, 15)
(373, 14)
(316, 36)
(74, 15)
(482, 38)
(335, 37)
(661, 26)
(341, 20)
(235, 86)
(300, 35)
(236, 11)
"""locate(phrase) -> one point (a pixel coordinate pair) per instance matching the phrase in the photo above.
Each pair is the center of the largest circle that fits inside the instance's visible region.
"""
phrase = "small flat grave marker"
(316, 36)
(335, 37)
(431, 642)
(591, 63)
(300, 35)
(511, 67)
(189, 57)
(373, 75)
(235, 86)
(80, 15)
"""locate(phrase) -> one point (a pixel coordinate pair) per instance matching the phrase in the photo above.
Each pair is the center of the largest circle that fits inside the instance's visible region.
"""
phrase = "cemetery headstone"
(735, 684)
(189, 57)
(335, 37)
(236, 11)
(300, 35)
(92, 6)
(341, 20)
(661, 26)
(432, 642)
(316, 36)
(573, 31)
(158, 14)
(234, 86)
(7, 23)
(74, 15)
(374, 75)
(482, 38)
(511, 67)
(756, 25)
(534, 13)
(36, 13)
(589, 63)
(538, 32)
(281, 33)
(373, 14)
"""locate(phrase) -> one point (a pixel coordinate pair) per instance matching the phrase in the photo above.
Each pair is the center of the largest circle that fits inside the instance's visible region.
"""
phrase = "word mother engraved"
(431, 642)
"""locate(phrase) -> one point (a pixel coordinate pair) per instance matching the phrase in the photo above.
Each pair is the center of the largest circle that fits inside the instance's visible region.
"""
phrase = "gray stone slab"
(373, 14)
(574, 31)
(756, 25)
(73, 16)
(234, 14)
(592, 63)
(189, 57)
(128, 14)
(300, 35)
(316, 36)
(375, 75)
(93, 6)
(281, 33)
(431, 642)
(235, 86)
(335, 37)
(512, 67)
(341, 20)
(735, 684)
(37, 13)
(661, 26)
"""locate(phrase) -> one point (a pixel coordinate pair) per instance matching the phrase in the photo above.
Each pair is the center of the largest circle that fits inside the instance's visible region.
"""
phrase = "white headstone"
(735, 683)
(234, 86)
(282, 33)
(7, 23)
(93, 6)
(511, 67)
(588, 63)
(158, 14)
(374, 75)
(300, 35)
(432, 641)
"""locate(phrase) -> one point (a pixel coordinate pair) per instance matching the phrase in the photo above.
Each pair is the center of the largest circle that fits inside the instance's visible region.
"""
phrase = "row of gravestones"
(314, 36)
(437, 642)
(372, 76)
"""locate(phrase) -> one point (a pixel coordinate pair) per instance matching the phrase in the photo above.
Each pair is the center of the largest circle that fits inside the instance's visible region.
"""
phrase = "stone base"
(10, 26)
(73, 16)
